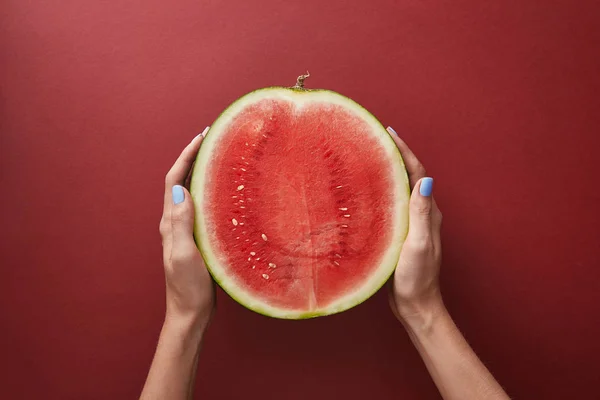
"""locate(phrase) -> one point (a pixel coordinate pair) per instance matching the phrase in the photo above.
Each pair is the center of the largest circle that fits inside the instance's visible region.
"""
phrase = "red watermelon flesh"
(302, 201)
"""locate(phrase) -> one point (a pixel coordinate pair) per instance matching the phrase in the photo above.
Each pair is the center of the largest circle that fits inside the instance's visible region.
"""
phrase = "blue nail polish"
(426, 187)
(178, 194)
(391, 130)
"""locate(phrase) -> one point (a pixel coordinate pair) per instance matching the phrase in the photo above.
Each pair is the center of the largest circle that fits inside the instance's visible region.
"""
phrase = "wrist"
(186, 325)
(190, 315)
(180, 339)
(420, 314)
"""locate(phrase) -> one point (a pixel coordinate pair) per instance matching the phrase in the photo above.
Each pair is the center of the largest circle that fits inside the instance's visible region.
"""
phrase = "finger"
(188, 179)
(414, 167)
(391, 299)
(436, 226)
(180, 170)
(188, 153)
(420, 210)
(182, 219)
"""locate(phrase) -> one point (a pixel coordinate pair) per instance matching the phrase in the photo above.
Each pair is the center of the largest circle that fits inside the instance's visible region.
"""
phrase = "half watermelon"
(301, 201)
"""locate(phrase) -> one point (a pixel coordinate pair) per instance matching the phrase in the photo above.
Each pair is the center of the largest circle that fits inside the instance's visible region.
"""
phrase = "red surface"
(299, 255)
(499, 99)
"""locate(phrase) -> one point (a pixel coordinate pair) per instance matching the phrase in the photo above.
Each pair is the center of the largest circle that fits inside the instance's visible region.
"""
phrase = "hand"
(190, 289)
(415, 285)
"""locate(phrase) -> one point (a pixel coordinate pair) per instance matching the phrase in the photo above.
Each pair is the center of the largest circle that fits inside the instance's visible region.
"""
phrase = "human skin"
(415, 296)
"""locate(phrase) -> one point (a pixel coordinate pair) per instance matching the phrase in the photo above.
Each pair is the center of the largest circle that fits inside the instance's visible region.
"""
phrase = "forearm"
(172, 373)
(455, 368)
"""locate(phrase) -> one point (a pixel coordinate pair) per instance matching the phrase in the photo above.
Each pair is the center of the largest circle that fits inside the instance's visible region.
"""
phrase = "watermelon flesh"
(301, 202)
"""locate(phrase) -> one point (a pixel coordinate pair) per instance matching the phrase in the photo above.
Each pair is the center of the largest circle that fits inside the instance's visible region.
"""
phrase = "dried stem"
(300, 81)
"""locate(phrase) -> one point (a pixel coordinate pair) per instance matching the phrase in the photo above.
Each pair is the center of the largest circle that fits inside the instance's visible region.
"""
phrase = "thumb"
(420, 208)
(182, 215)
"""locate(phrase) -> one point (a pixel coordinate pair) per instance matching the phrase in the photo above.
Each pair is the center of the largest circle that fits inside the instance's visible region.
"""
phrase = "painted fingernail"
(204, 131)
(426, 187)
(391, 130)
(178, 194)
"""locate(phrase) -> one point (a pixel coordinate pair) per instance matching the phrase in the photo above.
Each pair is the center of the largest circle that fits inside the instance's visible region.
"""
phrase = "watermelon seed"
(337, 255)
(344, 226)
(254, 266)
(237, 237)
(265, 276)
(240, 187)
(242, 207)
(234, 197)
(343, 208)
(336, 263)
(264, 237)
(272, 265)
(234, 222)
(252, 253)
(339, 186)
(243, 169)
(249, 258)
(257, 258)
(246, 143)
(347, 215)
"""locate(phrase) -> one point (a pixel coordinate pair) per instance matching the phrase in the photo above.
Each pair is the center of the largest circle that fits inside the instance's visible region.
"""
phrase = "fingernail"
(204, 131)
(178, 194)
(426, 187)
(391, 130)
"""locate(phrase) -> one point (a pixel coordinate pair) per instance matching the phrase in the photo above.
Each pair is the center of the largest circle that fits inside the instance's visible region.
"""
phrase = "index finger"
(414, 167)
(180, 170)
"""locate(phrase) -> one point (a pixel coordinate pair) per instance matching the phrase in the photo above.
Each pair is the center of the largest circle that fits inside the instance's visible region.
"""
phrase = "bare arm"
(189, 290)
(452, 364)
(173, 369)
(417, 302)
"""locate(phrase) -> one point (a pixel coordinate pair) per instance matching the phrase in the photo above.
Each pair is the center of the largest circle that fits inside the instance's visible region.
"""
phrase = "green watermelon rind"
(237, 293)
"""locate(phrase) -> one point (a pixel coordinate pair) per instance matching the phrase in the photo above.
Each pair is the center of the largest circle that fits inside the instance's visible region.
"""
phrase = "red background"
(499, 100)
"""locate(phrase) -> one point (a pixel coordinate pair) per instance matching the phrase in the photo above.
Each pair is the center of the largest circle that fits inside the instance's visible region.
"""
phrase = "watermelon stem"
(300, 81)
